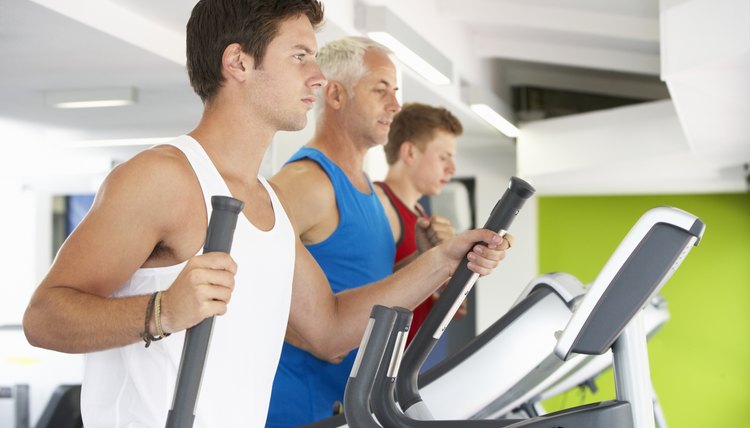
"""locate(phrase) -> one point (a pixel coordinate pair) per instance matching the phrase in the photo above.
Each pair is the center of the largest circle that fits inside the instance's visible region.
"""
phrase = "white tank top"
(133, 386)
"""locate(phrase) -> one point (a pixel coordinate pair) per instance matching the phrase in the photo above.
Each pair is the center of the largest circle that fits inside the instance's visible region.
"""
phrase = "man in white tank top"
(132, 271)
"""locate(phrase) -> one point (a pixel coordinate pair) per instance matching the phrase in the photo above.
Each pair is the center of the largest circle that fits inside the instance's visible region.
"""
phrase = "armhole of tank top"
(278, 207)
(184, 147)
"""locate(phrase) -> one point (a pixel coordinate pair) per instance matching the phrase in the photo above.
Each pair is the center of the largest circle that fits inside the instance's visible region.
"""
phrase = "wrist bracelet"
(146, 335)
(157, 316)
(153, 306)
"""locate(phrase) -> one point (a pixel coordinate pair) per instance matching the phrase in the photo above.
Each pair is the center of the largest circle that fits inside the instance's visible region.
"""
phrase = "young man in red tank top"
(420, 153)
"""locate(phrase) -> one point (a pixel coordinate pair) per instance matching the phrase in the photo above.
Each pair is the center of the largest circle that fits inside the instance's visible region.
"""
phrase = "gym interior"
(608, 110)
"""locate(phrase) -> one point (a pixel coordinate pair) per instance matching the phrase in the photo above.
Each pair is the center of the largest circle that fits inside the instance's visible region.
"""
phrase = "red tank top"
(406, 245)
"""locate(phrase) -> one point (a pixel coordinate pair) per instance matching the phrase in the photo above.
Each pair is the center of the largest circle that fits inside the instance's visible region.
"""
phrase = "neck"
(402, 187)
(340, 147)
(234, 141)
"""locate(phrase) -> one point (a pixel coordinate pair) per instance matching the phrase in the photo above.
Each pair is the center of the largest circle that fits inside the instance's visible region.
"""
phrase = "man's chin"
(294, 126)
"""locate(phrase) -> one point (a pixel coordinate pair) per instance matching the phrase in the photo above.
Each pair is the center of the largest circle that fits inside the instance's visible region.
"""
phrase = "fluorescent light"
(411, 59)
(491, 108)
(495, 119)
(383, 26)
(91, 98)
(91, 104)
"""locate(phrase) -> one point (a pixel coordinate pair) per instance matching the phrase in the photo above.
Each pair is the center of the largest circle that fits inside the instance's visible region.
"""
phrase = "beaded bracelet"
(153, 305)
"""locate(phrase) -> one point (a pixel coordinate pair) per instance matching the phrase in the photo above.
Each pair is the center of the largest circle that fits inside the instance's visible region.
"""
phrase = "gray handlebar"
(369, 356)
(224, 214)
(500, 220)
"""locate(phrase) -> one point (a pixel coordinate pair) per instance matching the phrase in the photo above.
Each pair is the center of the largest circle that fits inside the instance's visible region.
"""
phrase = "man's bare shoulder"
(284, 202)
(304, 179)
(141, 207)
(299, 172)
(385, 201)
(159, 170)
(307, 192)
(390, 211)
(157, 178)
(380, 193)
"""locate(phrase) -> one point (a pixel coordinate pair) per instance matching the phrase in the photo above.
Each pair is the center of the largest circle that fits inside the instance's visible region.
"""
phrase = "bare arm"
(331, 325)
(310, 200)
(135, 210)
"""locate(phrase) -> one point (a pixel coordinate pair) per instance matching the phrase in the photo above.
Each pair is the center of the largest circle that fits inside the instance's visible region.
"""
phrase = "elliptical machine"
(608, 316)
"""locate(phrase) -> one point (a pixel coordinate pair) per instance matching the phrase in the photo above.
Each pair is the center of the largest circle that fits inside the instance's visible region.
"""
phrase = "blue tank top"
(360, 251)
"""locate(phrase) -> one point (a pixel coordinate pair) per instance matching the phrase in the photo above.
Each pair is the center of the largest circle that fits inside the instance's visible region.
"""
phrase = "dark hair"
(215, 24)
(417, 123)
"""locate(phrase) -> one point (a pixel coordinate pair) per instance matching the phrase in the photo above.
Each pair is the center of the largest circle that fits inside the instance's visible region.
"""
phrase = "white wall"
(22, 217)
(29, 174)
(30, 178)
(25, 233)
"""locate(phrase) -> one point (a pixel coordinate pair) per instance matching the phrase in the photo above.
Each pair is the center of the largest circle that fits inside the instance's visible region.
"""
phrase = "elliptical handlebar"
(370, 354)
(459, 286)
(219, 236)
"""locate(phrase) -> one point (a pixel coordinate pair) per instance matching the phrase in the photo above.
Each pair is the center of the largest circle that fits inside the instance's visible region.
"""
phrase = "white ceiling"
(44, 50)
(619, 35)
(605, 47)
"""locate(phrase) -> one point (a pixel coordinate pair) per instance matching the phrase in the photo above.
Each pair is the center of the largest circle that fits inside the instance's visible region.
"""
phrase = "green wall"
(700, 360)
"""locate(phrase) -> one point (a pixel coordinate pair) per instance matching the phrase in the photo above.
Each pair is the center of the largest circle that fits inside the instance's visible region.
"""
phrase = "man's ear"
(406, 152)
(335, 95)
(235, 62)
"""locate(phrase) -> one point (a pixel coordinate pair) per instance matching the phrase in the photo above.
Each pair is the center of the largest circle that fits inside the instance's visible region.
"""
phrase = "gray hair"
(342, 60)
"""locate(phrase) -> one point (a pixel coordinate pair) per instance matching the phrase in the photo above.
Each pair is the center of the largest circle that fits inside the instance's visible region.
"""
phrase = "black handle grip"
(500, 219)
(224, 214)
